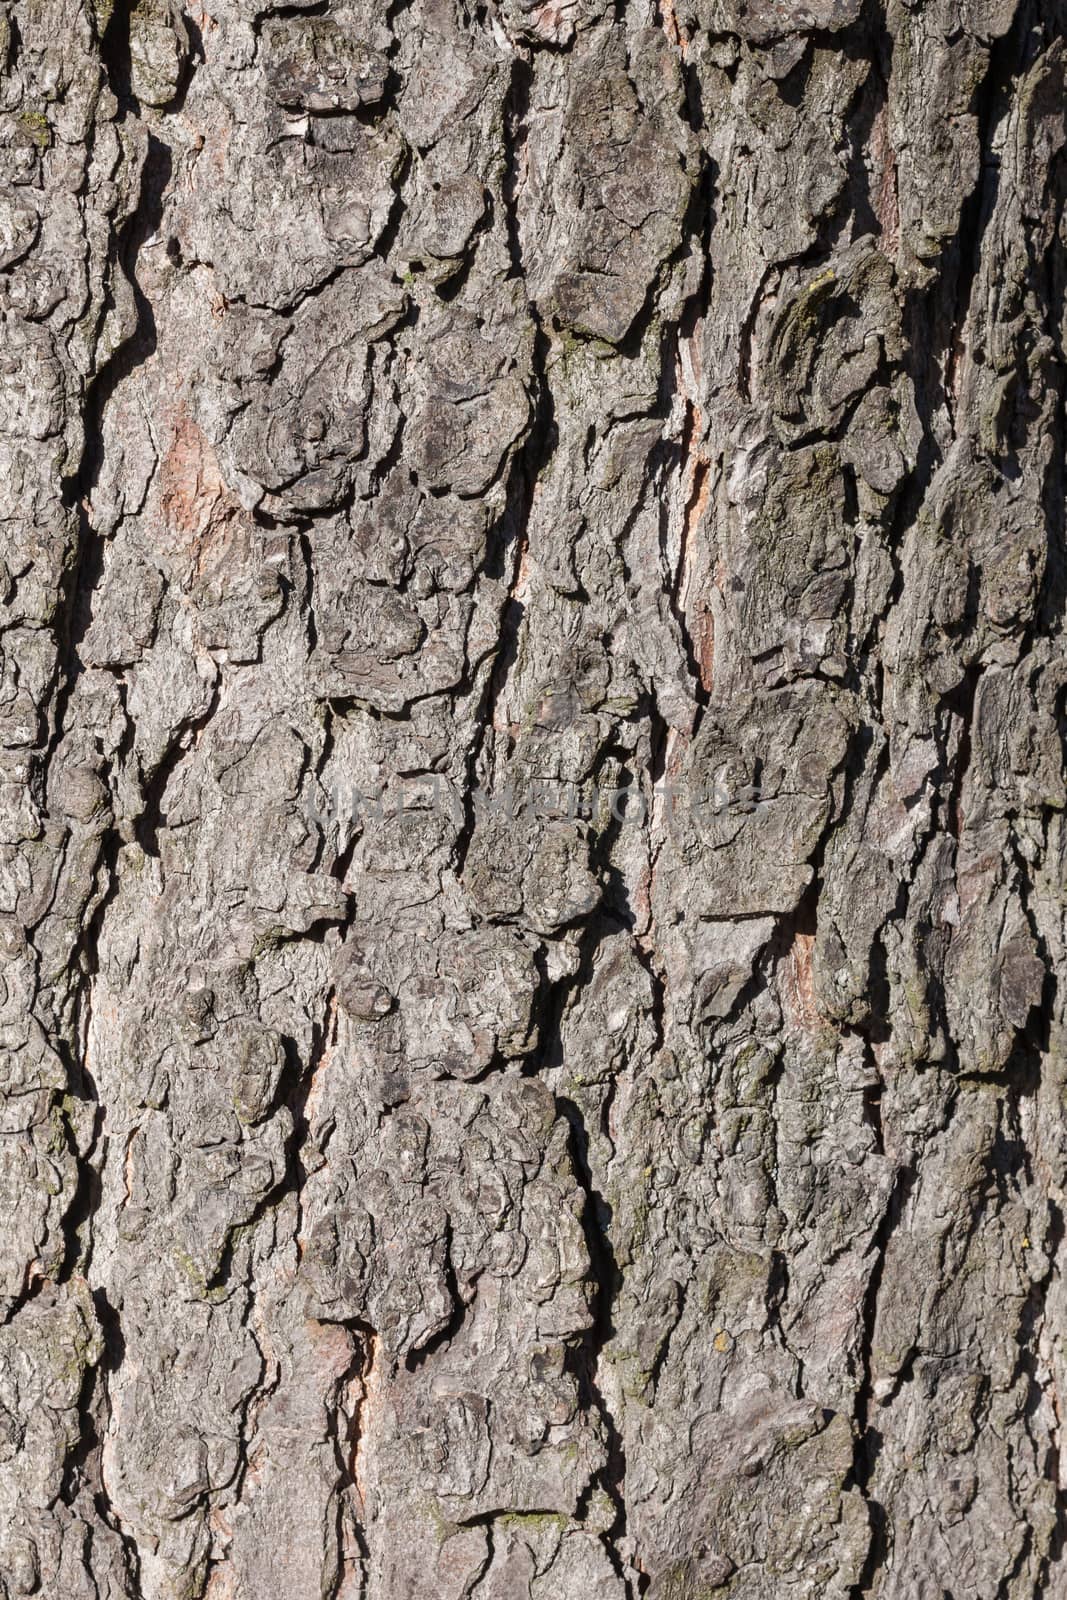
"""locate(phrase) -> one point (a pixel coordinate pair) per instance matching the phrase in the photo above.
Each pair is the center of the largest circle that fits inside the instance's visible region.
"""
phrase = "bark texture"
(440, 1196)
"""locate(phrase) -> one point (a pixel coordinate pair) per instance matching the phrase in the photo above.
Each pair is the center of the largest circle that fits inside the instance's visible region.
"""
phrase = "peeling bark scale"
(532, 733)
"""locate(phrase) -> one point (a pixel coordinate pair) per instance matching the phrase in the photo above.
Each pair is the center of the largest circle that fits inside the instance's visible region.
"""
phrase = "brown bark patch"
(800, 987)
(192, 496)
(202, 523)
(703, 635)
(671, 28)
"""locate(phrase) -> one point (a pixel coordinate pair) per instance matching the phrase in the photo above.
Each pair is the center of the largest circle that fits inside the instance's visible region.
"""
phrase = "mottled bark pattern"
(433, 1203)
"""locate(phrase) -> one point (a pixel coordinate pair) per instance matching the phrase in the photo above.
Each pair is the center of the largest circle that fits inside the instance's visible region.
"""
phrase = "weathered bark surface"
(572, 1204)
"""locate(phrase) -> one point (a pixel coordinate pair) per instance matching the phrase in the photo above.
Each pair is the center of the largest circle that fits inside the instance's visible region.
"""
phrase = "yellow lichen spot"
(36, 124)
(722, 1341)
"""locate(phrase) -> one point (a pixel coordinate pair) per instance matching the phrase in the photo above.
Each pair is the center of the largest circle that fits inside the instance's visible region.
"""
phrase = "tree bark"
(532, 882)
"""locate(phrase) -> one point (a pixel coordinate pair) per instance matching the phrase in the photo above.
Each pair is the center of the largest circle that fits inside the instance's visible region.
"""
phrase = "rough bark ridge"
(564, 1201)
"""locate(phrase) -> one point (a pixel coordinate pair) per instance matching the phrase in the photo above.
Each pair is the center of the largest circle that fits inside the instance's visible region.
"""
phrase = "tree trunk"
(533, 788)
